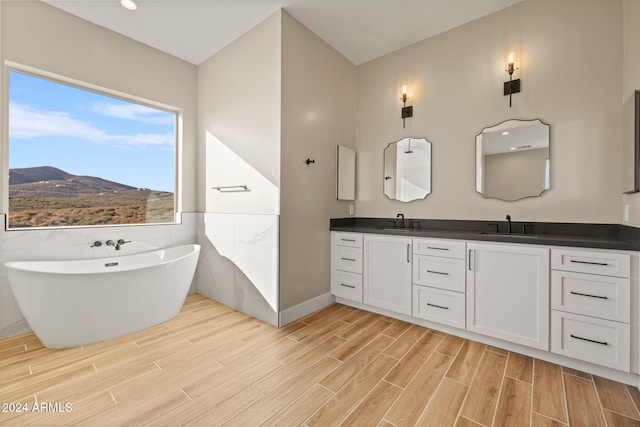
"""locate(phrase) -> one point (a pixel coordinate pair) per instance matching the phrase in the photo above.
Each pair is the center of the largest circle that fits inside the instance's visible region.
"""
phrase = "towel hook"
(308, 161)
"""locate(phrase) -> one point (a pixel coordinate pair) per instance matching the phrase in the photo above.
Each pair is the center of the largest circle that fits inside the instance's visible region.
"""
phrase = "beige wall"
(570, 53)
(239, 104)
(318, 113)
(40, 36)
(630, 83)
(275, 97)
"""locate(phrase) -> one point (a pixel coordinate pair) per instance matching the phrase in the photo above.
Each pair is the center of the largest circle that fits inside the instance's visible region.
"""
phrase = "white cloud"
(135, 112)
(27, 122)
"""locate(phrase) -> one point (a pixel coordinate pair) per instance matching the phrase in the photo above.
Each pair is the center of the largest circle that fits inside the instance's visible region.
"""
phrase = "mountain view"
(46, 196)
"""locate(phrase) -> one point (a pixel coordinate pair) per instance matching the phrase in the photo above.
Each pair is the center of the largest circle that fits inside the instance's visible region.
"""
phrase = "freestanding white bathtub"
(72, 303)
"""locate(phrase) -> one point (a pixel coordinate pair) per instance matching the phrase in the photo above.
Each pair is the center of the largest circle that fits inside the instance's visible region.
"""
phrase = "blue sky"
(85, 133)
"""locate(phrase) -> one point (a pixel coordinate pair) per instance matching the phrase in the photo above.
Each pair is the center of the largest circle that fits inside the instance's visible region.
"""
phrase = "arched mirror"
(407, 169)
(512, 160)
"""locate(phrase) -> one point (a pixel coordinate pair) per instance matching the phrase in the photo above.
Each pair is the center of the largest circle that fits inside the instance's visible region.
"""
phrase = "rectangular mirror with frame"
(346, 177)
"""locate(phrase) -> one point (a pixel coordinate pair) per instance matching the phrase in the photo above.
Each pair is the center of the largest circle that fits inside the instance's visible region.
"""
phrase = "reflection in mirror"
(512, 160)
(346, 178)
(407, 169)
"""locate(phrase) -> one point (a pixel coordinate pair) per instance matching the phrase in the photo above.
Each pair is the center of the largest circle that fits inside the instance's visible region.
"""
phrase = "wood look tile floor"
(212, 365)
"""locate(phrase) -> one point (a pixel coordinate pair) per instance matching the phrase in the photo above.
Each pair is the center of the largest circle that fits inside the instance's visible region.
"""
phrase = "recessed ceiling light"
(129, 4)
(505, 133)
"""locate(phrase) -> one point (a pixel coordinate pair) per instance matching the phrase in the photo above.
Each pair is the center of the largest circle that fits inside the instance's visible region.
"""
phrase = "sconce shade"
(511, 62)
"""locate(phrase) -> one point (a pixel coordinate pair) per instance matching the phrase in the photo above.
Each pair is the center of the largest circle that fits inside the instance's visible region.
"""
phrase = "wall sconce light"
(512, 86)
(406, 111)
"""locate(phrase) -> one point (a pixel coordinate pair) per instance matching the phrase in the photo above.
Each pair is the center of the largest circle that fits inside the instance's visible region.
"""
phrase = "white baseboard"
(294, 313)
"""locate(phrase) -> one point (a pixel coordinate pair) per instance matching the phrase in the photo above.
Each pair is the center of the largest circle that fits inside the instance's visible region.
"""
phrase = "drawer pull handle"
(437, 249)
(347, 286)
(603, 264)
(437, 306)
(348, 259)
(437, 272)
(587, 339)
(348, 240)
(587, 295)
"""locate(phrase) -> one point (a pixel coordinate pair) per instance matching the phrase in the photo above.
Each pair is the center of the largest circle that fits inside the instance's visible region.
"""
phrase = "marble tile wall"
(74, 243)
(239, 262)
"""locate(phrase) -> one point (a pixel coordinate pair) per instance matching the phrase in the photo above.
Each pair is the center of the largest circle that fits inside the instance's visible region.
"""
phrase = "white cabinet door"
(387, 272)
(508, 293)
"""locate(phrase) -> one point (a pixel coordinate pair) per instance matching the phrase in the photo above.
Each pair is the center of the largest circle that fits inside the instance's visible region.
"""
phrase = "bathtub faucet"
(114, 244)
(117, 244)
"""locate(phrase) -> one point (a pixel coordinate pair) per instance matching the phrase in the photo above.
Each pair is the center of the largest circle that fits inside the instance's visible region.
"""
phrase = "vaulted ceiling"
(361, 30)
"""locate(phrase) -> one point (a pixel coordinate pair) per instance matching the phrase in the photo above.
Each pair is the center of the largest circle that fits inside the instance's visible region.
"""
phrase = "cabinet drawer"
(596, 262)
(438, 272)
(440, 248)
(347, 259)
(439, 306)
(592, 295)
(353, 240)
(593, 340)
(347, 285)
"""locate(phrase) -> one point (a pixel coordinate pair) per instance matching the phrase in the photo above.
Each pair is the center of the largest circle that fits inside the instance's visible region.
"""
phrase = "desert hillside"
(46, 196)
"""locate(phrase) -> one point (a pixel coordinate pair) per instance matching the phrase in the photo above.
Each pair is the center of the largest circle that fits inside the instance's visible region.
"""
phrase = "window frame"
(10, 66)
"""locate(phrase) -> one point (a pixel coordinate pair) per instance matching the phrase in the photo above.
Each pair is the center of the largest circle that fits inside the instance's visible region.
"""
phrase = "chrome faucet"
(401, 216)
(509, 231)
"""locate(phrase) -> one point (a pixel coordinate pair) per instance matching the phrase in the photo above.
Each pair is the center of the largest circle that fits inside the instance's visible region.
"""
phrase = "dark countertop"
(602, 236)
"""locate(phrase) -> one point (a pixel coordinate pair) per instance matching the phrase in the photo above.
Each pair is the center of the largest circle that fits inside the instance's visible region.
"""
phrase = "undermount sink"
(396, 229)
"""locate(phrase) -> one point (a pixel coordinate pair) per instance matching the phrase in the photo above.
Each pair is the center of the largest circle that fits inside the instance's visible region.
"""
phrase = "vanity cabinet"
(387, 272)
(590, 302)
(346, 265)
(574, 302)
(439, 281)
(508, 292)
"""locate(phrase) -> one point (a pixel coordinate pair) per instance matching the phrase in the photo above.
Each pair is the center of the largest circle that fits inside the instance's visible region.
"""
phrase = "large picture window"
(78, 157)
